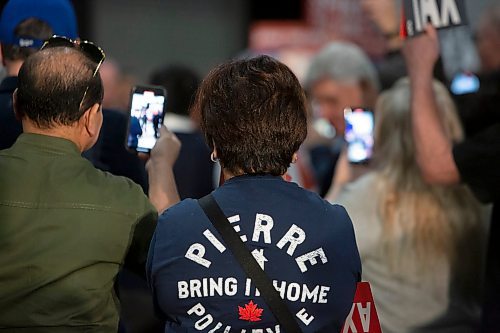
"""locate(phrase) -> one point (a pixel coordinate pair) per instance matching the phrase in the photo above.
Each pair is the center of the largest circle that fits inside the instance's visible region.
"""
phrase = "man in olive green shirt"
(66, 228)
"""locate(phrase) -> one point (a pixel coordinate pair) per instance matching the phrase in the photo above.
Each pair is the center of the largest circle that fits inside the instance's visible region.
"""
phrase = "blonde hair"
(424, 225)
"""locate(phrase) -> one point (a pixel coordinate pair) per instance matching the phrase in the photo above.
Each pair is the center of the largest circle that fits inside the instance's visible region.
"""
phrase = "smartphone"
(464, 83)
(147, 105)
(359, 125)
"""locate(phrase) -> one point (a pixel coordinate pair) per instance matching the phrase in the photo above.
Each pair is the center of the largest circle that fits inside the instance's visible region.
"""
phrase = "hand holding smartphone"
(147, 105)
(359, 126)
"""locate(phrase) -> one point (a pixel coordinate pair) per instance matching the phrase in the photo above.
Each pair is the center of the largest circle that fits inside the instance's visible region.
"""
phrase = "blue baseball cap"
(58, 14)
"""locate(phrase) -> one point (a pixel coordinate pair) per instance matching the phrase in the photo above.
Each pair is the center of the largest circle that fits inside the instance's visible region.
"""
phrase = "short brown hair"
(254, 112)
(33, 28)
(56, 86)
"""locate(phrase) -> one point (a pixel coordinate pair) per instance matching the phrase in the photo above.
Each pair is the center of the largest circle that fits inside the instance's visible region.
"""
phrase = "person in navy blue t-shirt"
(253, 116)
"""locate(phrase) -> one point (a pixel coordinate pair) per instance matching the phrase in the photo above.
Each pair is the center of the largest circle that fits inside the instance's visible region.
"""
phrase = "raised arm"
(162, 188)
(434, 149)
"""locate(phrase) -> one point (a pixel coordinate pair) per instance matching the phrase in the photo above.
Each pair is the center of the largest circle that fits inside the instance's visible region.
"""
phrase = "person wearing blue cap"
(24, 26)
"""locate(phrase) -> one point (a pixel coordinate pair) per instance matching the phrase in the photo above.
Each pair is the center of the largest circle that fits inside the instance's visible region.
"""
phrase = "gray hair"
(342, 61)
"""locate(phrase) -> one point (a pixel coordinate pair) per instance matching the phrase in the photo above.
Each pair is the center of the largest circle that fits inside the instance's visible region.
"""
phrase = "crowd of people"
(95, 237)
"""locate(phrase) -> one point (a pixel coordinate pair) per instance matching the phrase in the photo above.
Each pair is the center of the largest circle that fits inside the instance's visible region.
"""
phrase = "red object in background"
(402, 27)
(363, 317)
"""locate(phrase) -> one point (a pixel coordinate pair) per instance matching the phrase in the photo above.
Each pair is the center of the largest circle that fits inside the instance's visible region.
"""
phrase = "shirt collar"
(251, 177)
(50, 144)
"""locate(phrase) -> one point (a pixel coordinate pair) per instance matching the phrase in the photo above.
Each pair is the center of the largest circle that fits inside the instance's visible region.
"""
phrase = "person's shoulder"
(359, 199)
(319, 206)
(182, 218)
(312, 198)
(184, 210)
(118, 191)
(359, 191)
(362, 184)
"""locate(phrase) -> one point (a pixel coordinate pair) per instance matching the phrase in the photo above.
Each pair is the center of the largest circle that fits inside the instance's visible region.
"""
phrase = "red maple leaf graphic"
(250, 312)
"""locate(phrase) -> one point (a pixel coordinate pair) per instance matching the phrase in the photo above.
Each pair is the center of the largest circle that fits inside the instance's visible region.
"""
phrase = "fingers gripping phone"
(147, 105)
(359, 126)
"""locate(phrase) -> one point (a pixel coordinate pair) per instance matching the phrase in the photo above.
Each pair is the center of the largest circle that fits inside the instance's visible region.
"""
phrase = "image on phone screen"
(146, 117)
(464, 83)
(359, 126)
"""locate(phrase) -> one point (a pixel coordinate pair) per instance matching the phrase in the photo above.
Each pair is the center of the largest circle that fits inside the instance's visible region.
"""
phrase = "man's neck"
(63, 132)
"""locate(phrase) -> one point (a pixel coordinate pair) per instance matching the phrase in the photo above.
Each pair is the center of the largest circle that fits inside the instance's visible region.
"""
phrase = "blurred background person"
(488, 39)
(135, 130)
(24, 26)
(112, 76)
(475, 161)
(340, 75)
(193, 170)
(479, 106)
(385, 14)
(118, 85)
(422, 246)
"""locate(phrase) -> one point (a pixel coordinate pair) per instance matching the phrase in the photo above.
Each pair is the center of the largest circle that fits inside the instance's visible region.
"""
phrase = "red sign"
(363, 316)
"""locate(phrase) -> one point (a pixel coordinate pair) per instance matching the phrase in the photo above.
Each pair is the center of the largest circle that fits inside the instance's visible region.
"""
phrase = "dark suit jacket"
(10, 127)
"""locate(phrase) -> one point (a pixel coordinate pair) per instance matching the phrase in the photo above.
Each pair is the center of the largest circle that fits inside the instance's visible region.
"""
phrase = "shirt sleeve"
(478, 161)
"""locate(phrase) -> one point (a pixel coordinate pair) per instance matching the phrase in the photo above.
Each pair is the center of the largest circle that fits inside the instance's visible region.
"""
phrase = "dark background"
(142, 35)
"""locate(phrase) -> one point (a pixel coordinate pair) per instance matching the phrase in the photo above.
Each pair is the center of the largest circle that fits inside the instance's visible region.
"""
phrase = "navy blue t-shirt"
(305, 245)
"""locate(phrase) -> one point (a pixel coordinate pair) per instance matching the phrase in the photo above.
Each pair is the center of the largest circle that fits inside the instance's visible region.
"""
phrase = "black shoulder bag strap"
(246, 260)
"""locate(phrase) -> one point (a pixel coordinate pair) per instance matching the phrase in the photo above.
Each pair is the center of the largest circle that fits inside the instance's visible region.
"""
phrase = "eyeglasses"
(92, 51)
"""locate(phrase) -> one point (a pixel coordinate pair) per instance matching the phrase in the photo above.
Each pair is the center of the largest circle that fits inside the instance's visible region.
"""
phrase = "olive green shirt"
(66, 228)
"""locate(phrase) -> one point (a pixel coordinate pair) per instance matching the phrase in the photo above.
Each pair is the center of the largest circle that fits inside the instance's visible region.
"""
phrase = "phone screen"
(359, 126)
(146, 117)
(464, 83)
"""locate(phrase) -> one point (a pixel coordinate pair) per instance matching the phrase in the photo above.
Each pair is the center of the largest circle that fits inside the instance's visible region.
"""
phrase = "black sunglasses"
(91, 50)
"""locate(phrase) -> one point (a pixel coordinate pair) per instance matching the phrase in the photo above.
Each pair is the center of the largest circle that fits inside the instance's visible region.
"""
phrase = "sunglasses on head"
(92, 51)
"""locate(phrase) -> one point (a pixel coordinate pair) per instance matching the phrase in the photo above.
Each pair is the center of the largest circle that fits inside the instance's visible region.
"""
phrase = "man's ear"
(92, 120)
(17, 113)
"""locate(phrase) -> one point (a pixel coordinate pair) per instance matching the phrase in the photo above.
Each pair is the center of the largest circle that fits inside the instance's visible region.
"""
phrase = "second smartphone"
(359, 127)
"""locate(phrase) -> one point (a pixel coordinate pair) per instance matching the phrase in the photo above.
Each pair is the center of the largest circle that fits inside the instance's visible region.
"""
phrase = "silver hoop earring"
(213, 157)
